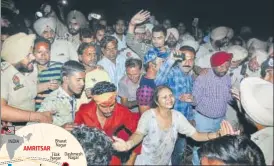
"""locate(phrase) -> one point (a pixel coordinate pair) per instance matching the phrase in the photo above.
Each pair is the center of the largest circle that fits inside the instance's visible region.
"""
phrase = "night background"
(256, 14)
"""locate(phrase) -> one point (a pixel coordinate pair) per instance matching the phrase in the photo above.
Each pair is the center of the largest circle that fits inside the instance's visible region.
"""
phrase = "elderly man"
(135, 44)
(257, 100)
(219, 40)
(19, 81)
(75, 21)
(107, 115)
(255, 62)
(172, 38)
(129, 83)
(62, 101)
(61, 50)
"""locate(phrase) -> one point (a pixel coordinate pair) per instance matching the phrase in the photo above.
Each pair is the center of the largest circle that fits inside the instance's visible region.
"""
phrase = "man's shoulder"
(86, 107)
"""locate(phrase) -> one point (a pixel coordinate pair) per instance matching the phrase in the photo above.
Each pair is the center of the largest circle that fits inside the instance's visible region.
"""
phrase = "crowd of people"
(142, 92)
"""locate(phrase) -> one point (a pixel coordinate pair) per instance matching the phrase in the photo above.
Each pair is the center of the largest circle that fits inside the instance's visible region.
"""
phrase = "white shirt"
(115, 71)
(121, 43)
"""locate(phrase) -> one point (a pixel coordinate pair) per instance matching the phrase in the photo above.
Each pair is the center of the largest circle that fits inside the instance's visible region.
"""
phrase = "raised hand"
(227, 129)
(140, 17)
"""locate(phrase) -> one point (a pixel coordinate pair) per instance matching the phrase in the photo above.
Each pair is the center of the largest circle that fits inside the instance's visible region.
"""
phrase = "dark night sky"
(234, 13)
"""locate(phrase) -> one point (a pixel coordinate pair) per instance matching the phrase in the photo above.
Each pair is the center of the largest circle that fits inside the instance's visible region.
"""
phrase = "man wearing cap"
(106, 114)
(19, 81)
(62, 101)
(256, 97)
(152, 63)
(211, 93)
(61, 50)
(219, 40)
(75, 21)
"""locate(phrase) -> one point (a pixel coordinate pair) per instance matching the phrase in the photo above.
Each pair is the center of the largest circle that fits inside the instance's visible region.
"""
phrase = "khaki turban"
(44, 23)
(257, 44)
(79, 17)
(260, 55)
(16, 47)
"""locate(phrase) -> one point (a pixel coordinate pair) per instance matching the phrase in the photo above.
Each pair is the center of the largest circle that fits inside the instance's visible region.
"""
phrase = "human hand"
(120, 145)
(41, 117)
(186, 98)
(53, 84)
(227, 129)
(235, 93)
(69, 126)
(140, 17)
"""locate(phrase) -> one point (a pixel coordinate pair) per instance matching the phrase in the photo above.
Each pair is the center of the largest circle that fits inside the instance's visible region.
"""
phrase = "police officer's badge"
(16, 81)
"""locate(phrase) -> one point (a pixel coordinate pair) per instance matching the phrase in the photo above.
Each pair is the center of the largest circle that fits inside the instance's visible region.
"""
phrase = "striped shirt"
(212, 94)
(53, 72)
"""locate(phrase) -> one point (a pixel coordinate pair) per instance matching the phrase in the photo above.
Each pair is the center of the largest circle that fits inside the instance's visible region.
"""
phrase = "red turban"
(220, 58)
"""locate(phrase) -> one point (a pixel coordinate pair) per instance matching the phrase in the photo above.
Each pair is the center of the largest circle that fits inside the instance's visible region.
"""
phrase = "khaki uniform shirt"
(62, 51)
(62, 104)
(18, 90)
(75, 40)
(138, 47)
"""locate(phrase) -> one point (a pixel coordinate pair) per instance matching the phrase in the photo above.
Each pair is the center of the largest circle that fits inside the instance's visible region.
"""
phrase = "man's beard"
(74, 31)
(171, 44)
(51, 40)
(23, 68)
(219, 74)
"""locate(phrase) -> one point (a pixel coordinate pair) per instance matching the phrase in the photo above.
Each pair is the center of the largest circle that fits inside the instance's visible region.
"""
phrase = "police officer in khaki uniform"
(19, 80)
(75, 21)
(61, 49)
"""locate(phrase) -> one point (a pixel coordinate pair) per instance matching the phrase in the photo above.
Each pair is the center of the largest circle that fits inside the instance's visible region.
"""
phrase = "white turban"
(260, 55)
(149, 27)
(16, 47)
(257, 100)
(219, 33)
(174, 32)
(239, 53)
(257, 44)
(79, 17)
(230, 33)
(187, 37)
(140, 29)
(192, 43)
(43, 24)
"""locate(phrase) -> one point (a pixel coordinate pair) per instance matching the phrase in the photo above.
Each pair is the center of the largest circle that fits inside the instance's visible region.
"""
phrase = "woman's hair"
(156, 95)
(233, 150)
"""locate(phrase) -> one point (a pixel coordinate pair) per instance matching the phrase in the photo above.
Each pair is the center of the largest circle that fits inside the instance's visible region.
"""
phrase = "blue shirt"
(179, 82)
